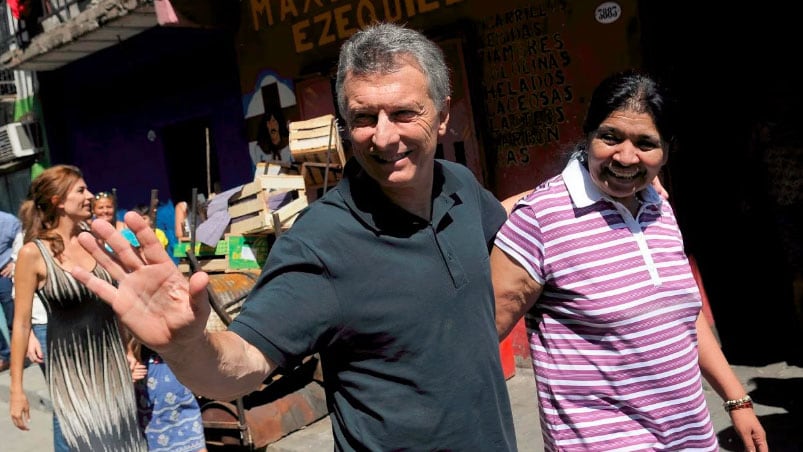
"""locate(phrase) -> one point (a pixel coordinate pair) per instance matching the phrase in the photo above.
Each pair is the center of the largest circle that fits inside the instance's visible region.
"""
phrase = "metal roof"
(103, 24)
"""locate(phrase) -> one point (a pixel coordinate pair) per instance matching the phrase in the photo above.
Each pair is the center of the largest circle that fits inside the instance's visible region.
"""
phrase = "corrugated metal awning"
(101, 25)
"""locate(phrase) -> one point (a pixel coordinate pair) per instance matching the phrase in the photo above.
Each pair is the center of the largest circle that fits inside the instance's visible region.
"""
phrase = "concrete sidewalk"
(35, 388)
(776, 388)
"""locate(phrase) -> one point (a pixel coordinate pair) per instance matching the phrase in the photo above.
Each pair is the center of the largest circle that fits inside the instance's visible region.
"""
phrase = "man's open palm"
(153, 300)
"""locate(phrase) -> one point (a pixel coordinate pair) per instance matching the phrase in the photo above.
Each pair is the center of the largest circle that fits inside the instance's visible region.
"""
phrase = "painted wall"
(522, 72)
(532, 66)
(106, 113)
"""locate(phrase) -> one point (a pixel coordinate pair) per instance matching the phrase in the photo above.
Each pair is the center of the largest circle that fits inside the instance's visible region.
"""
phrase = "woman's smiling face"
(103, 208)
(625, 154)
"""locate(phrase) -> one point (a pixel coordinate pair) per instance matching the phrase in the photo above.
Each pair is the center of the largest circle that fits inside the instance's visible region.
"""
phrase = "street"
(777, 390)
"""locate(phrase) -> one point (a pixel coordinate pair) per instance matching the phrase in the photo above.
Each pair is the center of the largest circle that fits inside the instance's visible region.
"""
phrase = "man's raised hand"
(152, 298)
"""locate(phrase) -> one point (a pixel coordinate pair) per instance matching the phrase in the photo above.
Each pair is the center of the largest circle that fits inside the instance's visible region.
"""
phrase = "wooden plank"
(289, 222)
(291, 208)
(249, 189)
(313, 176)
(201, 249)
(256, 204)
(310, 136)
(207, 265)
(264, 221)
(249, 225)
(316, 140)
(282, 182)
(317, 155)
(315, 173)
(272, 168)
(311, 123)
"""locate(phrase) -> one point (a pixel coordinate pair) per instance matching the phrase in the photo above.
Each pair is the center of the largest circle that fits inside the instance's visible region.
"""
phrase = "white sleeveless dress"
(88, 375)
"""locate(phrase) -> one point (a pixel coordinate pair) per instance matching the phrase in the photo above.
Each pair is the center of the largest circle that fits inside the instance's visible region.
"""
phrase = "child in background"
(145, 212)
(169, 414)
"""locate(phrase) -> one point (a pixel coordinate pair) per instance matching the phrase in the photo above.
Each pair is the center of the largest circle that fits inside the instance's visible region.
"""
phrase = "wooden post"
(192, 217)
(153, 206)
(208, 170)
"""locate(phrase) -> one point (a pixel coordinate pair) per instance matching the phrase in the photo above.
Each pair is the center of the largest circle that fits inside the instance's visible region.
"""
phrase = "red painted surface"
(709, 315)
(508, 360)
(519, 343)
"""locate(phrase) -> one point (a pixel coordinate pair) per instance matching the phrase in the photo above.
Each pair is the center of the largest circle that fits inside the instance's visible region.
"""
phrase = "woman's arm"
(29, 272)
(180, 216)
(34, 353)
(720, 376)
(139, 369)
(515, 291)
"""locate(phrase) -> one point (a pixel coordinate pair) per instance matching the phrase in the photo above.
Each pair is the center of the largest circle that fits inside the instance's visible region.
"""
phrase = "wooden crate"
(201, 250)
(275, 169)
(211, 259)
(217, 265)
(315, 144)
(256, 209)
(247, 252)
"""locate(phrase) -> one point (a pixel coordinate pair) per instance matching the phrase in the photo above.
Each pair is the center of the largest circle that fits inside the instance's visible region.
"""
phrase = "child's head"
(144, 211)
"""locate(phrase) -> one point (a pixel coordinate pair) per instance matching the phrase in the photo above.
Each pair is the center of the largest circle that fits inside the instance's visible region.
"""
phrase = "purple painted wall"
(98, 111)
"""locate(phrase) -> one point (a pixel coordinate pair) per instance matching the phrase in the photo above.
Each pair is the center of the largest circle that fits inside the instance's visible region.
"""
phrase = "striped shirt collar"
(584, 193)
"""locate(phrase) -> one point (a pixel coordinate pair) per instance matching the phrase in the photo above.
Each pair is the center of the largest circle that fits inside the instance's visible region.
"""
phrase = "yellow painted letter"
(300, 36)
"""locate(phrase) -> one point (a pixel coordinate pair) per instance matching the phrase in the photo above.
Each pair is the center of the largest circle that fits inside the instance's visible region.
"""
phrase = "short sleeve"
(293, 310)
(520, 237)
(160, 235)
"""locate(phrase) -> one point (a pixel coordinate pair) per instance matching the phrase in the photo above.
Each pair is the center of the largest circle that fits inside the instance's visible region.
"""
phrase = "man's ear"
(443, 116)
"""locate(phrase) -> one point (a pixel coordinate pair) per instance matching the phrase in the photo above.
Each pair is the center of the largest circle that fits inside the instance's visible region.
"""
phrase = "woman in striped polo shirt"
(593, 259)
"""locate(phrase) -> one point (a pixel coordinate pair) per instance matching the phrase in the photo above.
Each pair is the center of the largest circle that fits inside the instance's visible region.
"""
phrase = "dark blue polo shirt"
(401, 311)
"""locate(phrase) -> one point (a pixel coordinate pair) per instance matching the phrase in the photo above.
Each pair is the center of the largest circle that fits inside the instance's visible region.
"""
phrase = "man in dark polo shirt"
(386, 276)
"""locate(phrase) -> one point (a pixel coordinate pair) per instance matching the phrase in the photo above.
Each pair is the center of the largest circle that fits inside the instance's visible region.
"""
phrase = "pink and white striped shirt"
(612, 336)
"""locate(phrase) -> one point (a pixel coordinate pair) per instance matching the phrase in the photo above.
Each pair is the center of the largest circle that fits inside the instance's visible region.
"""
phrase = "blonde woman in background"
(104, 206)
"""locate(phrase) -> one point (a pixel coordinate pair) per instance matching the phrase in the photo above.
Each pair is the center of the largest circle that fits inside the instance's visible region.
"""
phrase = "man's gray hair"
(375, 50)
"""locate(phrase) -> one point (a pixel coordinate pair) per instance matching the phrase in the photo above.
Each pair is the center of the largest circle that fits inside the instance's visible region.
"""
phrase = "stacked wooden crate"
(269, 204)
(258, 212)
(262, 210)
(316, 145)
(211, 259)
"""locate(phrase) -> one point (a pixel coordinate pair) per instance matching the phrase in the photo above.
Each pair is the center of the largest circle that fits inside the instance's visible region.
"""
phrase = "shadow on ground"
(784, 430)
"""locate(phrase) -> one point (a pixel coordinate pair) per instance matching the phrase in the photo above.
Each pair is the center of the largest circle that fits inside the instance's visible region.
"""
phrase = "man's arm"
(510, 202)
(8, 270)
(168, 313)
(514, 289)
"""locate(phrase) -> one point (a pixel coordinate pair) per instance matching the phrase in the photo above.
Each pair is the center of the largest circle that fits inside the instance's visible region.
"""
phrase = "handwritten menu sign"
(524, 59)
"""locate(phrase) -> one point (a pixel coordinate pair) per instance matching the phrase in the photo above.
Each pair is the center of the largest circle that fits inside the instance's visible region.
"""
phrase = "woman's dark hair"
(632, 90)
(263, 136)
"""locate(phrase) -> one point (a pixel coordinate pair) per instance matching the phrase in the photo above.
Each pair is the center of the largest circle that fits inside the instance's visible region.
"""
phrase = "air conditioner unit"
(16, 142)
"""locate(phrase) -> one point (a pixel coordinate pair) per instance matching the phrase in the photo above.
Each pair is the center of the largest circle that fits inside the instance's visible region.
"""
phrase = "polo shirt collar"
(365, 199)
(583, 192)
